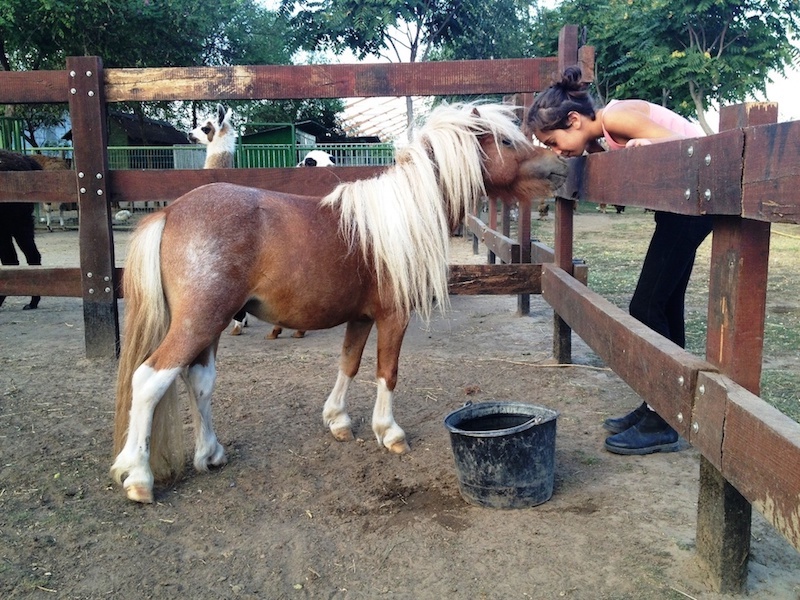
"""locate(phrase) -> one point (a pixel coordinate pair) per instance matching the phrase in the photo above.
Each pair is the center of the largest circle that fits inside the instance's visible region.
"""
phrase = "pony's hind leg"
(200, 379)
(131, 468)
(334, 413)
(387, 431)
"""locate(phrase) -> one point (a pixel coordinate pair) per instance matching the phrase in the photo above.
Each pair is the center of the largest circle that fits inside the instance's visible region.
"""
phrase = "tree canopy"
(683, 55)
(41, 34)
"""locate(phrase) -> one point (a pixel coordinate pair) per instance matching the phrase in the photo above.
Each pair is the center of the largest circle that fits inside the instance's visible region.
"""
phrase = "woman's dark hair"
(551, 107)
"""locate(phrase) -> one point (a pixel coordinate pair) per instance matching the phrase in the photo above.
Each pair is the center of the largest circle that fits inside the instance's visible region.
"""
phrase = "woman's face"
(566, 142)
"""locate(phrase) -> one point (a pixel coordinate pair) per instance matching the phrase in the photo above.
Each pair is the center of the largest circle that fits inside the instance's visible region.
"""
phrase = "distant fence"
(248, 156)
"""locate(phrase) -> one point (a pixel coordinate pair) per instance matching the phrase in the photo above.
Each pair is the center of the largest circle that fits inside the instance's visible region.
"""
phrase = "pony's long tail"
(146, 323)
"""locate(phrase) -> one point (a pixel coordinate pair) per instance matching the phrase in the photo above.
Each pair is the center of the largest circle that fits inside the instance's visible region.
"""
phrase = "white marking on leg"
(207, 449)
(133, 462)
(387, 431)
(334, 412)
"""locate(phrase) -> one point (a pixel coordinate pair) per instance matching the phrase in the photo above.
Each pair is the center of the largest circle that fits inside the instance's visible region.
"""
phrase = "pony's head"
(479, 150)
(219, 136)
(317, 158)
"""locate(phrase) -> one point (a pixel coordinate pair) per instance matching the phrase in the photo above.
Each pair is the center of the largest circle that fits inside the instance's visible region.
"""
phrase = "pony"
(16, 222)
(380, 250)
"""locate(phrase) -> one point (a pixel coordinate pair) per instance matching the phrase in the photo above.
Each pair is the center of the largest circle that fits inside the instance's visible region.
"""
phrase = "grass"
(614, 246)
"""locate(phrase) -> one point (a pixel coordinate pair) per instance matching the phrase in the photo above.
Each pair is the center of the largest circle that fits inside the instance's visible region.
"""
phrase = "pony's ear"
(220, 114)
(475, 112)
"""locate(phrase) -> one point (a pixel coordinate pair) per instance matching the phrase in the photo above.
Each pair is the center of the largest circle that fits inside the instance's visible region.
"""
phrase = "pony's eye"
(205, 129)
(507, 142)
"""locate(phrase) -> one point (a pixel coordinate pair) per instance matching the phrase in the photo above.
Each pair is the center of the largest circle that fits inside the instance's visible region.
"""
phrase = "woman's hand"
(635, 142)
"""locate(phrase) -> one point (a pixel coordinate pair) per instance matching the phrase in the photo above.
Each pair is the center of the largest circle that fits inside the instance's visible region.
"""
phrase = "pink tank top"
(664, 117)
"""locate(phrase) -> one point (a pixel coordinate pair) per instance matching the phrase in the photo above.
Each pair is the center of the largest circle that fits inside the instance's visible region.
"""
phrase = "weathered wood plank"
(272, 82)
(771, 178)
(495, 279)
(661, 372)
(167, 185)
(757, 449)
(33, 87)
(33, 281)
(87, 109)
(505, 248)
(37, 186)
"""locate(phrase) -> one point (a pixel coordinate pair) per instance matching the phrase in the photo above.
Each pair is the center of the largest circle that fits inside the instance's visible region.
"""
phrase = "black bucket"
(504, 453)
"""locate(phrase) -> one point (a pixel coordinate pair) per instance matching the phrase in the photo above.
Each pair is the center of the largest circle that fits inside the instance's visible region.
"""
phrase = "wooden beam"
(754, 446)
(87, 108)
(505, 248)
(275, 82)
(661, 372)
(495, 279)
(771, 178)
(38, 186)
(33, 87)
(169, 184)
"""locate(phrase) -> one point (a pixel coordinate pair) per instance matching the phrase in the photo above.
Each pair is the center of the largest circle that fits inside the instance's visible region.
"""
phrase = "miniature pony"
(381, 250)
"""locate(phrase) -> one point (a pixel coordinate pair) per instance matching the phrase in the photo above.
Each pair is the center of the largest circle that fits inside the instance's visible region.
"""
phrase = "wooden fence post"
(562, 334)
(736, 314)
(87, 109)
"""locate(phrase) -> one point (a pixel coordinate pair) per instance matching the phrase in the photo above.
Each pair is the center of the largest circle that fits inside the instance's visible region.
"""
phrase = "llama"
(219, 138)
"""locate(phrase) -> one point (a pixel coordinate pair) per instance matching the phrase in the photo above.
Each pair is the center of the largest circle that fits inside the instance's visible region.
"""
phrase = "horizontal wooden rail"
(277, 82)
(505, 248)
(752, 172)
(754, 446)
(464, 280)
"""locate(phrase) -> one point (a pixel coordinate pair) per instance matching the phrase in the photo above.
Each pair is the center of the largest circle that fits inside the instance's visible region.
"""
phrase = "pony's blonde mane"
(402, 219)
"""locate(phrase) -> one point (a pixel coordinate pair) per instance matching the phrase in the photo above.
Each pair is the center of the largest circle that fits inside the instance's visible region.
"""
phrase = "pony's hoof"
(140, 493)
(399, 447)
(276, 331)
(344, 434)
(237, 329)
(299, 334)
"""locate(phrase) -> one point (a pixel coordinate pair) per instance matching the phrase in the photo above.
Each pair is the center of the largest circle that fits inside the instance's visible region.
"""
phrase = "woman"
(564, 117)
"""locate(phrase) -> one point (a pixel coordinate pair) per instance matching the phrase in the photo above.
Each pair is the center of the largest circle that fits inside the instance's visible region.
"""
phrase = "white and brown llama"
(219, 137)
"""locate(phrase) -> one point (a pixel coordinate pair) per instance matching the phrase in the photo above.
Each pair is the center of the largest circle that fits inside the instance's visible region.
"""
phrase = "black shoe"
(651, 434)
(34, 303)
(620, 424)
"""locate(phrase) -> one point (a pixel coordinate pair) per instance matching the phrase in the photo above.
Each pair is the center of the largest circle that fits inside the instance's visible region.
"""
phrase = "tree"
(40, 34)
(410, 30)
(684, 55)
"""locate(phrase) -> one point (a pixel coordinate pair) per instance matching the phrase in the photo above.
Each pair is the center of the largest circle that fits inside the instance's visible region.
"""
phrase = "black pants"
(658, 301)
(16, 225)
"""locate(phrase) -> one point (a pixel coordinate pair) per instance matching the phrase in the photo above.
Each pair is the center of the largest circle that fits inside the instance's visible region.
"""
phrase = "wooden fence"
(748, 176)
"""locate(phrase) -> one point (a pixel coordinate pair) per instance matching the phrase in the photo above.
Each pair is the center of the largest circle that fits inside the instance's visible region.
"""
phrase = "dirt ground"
(295, 514)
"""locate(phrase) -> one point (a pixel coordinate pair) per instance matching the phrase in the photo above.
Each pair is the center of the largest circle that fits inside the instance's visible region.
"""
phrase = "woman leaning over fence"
(565, 118)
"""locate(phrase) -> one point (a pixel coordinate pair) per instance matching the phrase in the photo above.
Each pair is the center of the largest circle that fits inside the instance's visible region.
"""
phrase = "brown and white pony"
(366, 254)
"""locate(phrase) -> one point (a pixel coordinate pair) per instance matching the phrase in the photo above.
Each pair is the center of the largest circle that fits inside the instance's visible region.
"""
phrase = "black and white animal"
(317, 158)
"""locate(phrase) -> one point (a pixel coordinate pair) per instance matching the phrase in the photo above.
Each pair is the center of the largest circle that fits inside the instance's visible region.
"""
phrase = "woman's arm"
(629, 123)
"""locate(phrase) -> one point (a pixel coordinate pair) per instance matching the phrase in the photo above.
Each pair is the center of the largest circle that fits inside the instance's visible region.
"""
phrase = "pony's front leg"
(200, 380)
(390, 339)
(334, 413)
(131, 469)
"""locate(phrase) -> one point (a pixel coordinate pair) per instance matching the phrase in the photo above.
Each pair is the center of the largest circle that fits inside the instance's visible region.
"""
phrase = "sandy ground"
(295, 514)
